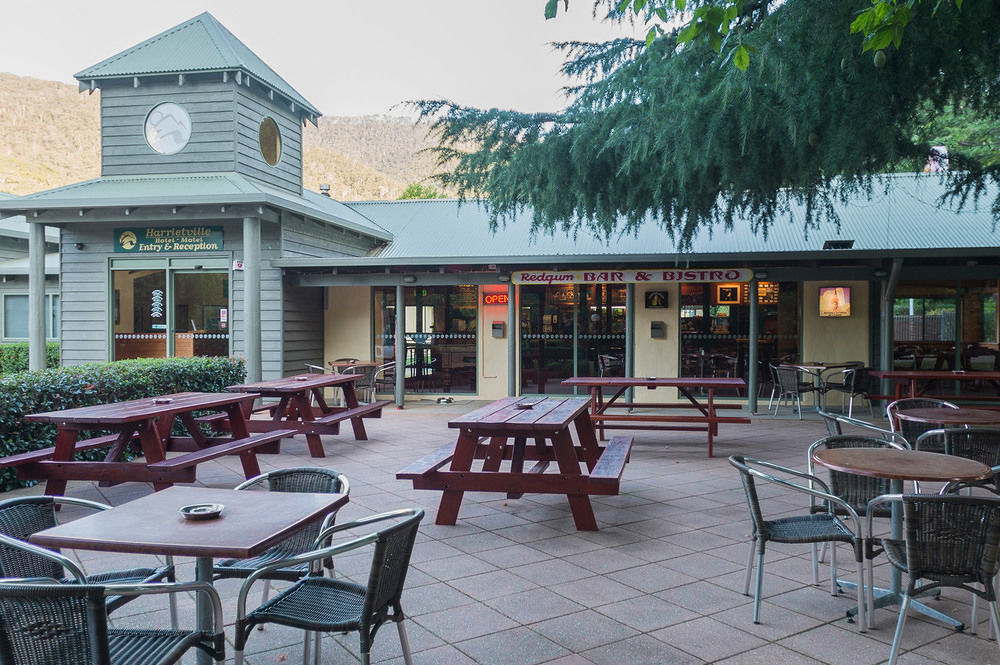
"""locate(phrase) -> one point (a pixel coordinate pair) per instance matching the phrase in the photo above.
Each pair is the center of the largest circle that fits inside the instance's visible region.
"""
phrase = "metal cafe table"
(706, 420)
(498, 434)
(904, 377)
(150, 422)
(302, 408)
(961, 416)
(898, 465)
(250, 523)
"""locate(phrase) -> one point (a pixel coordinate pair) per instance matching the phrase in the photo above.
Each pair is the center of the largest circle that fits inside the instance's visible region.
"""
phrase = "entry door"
(200, 322)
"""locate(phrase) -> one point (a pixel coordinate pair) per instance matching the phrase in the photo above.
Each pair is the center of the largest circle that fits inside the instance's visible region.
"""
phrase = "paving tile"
(707, 639)
(584, 630)
(520, 645)
(641, 650)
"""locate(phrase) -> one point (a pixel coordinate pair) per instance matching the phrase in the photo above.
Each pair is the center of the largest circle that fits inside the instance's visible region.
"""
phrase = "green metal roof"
(902, 218)
(192, 189)
(201, 44)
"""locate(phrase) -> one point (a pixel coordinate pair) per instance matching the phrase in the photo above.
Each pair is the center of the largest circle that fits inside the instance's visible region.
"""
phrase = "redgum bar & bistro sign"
(651, 275)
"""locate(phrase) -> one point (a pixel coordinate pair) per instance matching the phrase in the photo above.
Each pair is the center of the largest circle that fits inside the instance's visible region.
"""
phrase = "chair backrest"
(856, 490)
(386, 373)
(909, 428)
(954, 538)
(19, 518)
(750, 490)
(833, 426)
(787, 378)
(390, 561)
(981, 358)
(51, 624)
(980, 444)
(606, 363)
(310, 479)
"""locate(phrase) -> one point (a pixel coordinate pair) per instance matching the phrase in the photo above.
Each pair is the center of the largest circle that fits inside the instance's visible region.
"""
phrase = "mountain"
(50, 137)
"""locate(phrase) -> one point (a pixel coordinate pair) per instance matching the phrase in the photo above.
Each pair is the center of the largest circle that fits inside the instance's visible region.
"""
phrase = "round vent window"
(270, 141)
(168, 128)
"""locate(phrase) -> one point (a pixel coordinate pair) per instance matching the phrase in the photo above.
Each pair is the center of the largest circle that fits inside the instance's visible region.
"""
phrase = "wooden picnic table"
(638, 415)
(149, 422)
(301, 407)
(498, 434)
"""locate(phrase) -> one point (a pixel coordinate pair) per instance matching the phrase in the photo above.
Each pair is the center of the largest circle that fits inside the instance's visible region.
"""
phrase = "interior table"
(638, 417)
(898, 465)
(498, 434)
(249, 524)
(910, 377)
(302, 408)
(150, 422)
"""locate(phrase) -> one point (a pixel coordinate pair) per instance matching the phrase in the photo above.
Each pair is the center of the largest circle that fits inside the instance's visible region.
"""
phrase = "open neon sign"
(495, 299)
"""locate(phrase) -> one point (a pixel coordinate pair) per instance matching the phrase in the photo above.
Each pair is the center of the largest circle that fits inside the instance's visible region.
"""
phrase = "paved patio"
(513, 583)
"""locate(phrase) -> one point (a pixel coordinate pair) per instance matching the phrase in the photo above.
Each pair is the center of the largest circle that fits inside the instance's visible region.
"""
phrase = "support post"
(36, 297)
(400, 346)
(629, 360)
(513, 333)
(251, 297)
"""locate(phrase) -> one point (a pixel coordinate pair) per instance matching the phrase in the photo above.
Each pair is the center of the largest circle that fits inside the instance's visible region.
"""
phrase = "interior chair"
(57, 624)
(298, 479)
(949, 541)
(608, 364)
(908, 428)
(808, 529)
(851, 382)
(23, 516)
(791, 387)
(323, 604)
(856, 490)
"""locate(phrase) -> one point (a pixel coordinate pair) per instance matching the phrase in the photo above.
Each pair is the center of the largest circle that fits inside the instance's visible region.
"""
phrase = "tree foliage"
(665, 130)
(418, 190)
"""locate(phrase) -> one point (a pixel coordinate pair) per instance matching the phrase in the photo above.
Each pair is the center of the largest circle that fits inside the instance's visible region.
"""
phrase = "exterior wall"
(835, 339)
(347, 323)
(302, 237)
(250, 110)
(492, 380)
(17, 285)
(85, 292)
(302, 341)
(209, 102)
(657, 357)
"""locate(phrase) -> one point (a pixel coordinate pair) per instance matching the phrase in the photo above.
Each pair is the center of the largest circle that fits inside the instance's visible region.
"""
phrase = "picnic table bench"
(498, 435)
(641, 415)
(148, 423)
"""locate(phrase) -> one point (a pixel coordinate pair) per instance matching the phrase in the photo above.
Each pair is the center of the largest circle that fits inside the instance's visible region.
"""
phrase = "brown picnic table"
(498, 434)
(301, 407)
(638, 415)
(148, 422)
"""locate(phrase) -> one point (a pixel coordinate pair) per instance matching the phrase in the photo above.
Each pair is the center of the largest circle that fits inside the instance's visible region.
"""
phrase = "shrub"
(97, 383)
(14, 357)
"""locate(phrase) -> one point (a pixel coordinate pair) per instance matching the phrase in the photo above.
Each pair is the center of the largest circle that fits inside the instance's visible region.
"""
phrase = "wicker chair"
(790, 386)
(365, 386)
(324, 604)
(909, 428)
(981, 444)
(385, 377)
(950, 541)
(298, 479)
(58, 624)
(835, 427)
(21, 517)
(853, 382)
(803, 529)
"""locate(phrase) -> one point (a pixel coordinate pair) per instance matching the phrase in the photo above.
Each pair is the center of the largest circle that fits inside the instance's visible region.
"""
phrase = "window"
(269, 139)
(15, 316)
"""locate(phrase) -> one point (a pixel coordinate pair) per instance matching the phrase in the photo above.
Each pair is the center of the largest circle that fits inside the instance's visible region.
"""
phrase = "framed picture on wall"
(656, 299)
(835, 301)
(727, 294)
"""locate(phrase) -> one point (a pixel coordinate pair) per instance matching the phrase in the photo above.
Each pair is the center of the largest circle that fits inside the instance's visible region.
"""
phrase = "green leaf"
(551, 7)
(741, 59)
(651, 36)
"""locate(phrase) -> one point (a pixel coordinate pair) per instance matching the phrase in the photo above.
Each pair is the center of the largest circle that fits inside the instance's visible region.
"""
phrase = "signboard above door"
(649, 275)
(160, 239)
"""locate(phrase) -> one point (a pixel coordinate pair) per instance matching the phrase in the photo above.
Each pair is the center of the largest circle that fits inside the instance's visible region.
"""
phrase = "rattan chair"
(852, 382)
(980, 443)
(385, 377)
(806, 529)
(950, 541)
(365, 386)
(910, 428)
(298, 479)
(790, 387)
(63, 624)
(21, 517)
(835, 424)
(322, 604)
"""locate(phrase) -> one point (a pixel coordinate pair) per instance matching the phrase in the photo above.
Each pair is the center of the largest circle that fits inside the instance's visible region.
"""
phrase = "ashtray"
(162, 400)
(651, 378)
(201, 511)
(302, 378)
(958, 371)
(525, 405)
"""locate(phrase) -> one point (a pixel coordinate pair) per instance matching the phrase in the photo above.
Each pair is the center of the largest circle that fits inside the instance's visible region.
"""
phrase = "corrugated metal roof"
(192, 189)
(201, 44)
(20, 266)
(902, 214)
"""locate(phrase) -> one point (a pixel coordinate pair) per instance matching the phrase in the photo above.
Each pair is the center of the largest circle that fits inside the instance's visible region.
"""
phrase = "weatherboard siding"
(303, 329)
(311, 238)
(84, 299)
(250, 110)
(209, 102)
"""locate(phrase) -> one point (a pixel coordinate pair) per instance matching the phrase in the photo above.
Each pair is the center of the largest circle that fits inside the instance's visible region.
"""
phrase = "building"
(199, 239)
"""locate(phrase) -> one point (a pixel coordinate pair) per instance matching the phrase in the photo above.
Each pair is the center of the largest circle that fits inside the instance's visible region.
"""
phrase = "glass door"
(200, 324)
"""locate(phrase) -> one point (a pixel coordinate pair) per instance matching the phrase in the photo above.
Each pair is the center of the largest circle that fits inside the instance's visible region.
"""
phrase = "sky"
(347, 57)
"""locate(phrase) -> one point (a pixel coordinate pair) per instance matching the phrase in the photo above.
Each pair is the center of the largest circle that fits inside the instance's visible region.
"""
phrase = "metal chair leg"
(758, 587)
(894, 651)
(746, 580)
(404, 642)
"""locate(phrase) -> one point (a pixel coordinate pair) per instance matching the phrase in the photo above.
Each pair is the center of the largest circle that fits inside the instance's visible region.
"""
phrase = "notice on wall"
(160, 239)
(649, 275)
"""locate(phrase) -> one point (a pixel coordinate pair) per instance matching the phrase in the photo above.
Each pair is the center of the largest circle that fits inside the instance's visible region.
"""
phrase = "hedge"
(97, 383)
(14, 357)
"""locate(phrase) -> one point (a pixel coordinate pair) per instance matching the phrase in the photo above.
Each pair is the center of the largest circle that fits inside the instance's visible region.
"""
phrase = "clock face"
(168, 128)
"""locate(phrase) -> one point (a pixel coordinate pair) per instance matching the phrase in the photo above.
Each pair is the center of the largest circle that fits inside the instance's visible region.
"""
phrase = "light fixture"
(409, 279)
(760, 274)
(880, 273)
(503, 278)
(79, 245)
